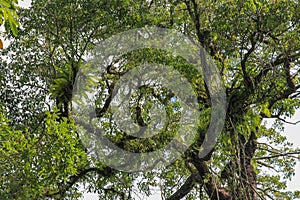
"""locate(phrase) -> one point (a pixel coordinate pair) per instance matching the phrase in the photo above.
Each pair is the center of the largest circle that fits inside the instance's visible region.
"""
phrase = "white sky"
(292, 133)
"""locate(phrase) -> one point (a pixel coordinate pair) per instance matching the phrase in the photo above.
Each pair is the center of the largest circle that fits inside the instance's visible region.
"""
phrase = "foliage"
(27, 157)
(8, 16)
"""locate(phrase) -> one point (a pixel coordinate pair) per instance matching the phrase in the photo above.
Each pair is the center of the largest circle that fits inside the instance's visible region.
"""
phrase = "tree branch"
(106, 171)
(247, 80)
(280, 155)
(184, 189)
(211, 188)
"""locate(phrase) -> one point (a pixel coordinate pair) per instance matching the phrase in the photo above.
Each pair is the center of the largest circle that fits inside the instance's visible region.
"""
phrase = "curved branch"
(184, 189)
(106, 171)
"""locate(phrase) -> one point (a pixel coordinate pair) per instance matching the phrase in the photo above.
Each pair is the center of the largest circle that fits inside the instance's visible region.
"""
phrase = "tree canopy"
(255, 45)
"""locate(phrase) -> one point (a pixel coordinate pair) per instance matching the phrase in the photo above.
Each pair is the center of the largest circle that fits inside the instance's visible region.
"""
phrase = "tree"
(8, 16)
(255, 45)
